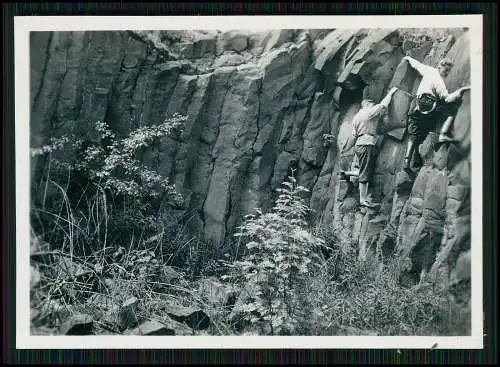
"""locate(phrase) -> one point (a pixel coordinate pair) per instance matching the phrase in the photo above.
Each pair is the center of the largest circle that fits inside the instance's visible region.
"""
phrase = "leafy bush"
(281, 255)
(111, 163)
(109, 195)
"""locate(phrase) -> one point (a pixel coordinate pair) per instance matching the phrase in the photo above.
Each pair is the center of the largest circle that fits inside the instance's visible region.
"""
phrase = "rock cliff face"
(260, 104)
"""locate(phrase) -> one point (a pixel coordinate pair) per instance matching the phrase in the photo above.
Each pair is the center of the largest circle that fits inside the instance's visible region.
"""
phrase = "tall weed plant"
(276, 268)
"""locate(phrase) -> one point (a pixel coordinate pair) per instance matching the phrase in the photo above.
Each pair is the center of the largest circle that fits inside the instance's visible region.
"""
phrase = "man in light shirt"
(431, 104)
(365, 129)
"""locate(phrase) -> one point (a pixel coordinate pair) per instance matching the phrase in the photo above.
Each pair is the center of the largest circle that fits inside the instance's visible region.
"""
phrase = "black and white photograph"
(247, 177)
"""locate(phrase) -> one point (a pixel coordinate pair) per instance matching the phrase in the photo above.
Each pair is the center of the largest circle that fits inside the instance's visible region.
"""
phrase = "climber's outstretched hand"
(463, 89)
(407, 57)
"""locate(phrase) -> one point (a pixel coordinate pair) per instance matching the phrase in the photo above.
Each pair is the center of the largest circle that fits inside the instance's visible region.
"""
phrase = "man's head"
(444, 67)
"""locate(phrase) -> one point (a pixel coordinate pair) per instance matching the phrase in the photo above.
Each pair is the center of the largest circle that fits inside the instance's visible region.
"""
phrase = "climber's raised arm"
(462, 90)
(380, 108)
(456, 94)
(387, 99)
(417, 65)
(442, 92)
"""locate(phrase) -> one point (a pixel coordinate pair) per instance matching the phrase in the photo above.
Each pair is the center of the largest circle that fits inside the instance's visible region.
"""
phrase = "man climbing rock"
(431, 104)
(365, 127)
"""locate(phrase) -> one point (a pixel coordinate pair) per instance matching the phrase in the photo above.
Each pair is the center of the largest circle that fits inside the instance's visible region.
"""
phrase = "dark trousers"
(366, 158)
(419, 124)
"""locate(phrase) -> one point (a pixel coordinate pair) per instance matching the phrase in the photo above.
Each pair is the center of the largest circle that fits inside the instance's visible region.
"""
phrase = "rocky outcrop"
(260, 104)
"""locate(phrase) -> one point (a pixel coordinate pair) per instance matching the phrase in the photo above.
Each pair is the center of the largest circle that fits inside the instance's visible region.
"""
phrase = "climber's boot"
(444, 136)
(445, 129)
(408, 155)
(418, 162)
(343, 176)
(443, 139)
(370, 204)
